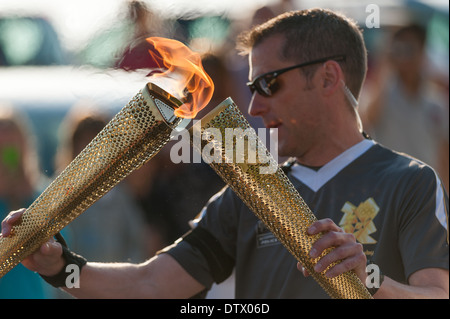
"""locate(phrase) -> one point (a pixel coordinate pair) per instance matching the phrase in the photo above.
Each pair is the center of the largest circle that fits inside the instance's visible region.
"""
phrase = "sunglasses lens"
(263, 87)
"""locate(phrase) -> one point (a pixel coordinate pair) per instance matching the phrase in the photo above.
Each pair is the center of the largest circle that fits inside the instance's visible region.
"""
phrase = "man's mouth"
(273, 125)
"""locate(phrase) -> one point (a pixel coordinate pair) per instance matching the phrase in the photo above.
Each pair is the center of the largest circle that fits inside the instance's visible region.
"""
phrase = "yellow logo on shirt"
(359, 220)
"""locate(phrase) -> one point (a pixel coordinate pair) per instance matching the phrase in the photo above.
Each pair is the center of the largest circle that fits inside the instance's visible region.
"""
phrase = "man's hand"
(47, 260)
(345, 248)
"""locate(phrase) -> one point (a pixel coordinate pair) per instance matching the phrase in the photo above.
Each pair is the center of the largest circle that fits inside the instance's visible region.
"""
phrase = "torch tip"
(165, 96)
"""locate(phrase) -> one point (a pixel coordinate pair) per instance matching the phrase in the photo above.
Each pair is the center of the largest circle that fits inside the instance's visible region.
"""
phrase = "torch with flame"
(130, 139)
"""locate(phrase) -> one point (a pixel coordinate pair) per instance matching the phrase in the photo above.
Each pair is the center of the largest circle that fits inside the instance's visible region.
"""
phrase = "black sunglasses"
(266, 84)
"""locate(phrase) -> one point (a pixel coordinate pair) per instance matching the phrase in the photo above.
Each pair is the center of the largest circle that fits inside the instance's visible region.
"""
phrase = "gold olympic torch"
(255, 177)
(130, 139)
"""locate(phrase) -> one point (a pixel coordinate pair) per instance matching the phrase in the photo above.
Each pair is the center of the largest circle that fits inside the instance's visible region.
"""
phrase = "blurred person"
(405, 112)
(268, 12)
(306, 71)
(113, 228)
(19, 168)
(19, 180)
(146, 24)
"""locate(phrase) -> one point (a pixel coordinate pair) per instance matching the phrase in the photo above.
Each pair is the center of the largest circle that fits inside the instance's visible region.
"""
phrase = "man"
(304, 67)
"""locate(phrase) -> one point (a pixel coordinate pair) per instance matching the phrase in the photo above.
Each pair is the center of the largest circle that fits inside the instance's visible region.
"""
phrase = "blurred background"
(66, 67)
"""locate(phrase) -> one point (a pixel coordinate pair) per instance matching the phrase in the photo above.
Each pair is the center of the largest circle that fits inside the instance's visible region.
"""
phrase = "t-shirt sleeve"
(423, 233)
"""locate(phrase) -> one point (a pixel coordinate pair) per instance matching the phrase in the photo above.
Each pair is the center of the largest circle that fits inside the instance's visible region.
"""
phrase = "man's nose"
(258, 105)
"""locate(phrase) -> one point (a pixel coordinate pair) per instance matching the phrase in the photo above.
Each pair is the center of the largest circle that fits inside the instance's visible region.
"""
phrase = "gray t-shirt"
(393, 204)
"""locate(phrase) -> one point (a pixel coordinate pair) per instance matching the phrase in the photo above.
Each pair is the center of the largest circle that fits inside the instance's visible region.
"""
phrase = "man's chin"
(283, 152)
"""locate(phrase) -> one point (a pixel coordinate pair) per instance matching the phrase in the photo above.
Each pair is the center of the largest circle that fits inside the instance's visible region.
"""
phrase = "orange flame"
(179, 59)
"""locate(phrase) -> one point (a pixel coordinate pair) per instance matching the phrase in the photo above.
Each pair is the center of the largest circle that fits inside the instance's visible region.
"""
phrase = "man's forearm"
(433, 289)
(159, 277)
(109, 280)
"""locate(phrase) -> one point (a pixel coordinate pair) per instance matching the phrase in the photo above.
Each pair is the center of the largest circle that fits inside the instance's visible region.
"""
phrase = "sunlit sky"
(77, 20)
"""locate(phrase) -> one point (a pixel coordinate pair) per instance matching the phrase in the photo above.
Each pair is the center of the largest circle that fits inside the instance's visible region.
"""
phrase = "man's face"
(294, 109)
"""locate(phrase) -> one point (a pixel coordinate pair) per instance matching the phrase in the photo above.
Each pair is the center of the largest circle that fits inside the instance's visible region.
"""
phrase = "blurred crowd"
(404, 105)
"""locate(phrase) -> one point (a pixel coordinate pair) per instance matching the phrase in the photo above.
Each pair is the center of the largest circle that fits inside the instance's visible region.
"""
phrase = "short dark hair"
(315, 34)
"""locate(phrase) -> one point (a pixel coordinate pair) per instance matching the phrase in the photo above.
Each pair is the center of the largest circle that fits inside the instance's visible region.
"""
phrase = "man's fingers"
(51, 247)
(331, 239)
(302, 269)
(346, 265)
(323, 225)
(46, 260)
(342, 248)
(12, 219)
(348, 255)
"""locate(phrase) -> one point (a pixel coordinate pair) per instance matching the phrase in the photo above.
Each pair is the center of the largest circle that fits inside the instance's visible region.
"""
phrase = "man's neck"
(332, 147)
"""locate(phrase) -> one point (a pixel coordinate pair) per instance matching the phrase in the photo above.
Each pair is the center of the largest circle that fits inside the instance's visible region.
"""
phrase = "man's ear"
(332, 77)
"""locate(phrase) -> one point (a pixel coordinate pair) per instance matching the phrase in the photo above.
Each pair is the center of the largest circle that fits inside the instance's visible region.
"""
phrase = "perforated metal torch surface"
(272, 198)
(130, 139)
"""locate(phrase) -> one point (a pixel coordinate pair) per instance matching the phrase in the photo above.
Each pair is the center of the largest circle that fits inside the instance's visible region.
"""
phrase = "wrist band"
(59, 280)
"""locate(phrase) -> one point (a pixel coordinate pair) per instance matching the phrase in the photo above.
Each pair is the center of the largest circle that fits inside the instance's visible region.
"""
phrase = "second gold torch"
(130, 139)
(267, 191)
